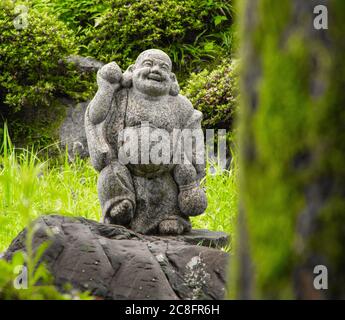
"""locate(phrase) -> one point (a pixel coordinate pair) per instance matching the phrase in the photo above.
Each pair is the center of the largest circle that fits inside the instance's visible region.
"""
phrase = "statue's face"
(152, 75)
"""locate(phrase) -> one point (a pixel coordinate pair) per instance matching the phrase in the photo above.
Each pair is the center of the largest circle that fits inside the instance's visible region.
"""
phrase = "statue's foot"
(122, 213)
(171, 226)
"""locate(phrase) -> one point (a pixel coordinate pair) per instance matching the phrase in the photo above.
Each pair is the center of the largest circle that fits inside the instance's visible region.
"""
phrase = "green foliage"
(29, 60)
(215, 94)
(68, 189)
(32, 76)
(189, 31)
(19, 180)
(76, 14)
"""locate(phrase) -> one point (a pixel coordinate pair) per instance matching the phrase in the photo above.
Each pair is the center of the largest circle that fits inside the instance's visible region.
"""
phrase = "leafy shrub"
(189, 31)
(30, 72)
(215, 94)
(31, 76)
(76, 14)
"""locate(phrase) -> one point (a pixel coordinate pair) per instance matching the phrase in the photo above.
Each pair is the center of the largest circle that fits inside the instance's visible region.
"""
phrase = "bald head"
(156, 54)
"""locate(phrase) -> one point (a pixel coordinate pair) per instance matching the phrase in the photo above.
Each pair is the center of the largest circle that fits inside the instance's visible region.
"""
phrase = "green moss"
(289, 132)
(329, 124)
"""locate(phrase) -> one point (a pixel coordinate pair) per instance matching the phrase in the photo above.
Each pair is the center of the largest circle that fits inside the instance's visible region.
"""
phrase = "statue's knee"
(104, 175)
(119, 169)
(111, 172)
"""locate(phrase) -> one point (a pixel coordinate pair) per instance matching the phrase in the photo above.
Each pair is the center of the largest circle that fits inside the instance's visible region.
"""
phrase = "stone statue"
(147, 197)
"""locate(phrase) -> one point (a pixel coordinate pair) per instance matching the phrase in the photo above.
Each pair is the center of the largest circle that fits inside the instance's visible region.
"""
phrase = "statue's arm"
(108, 80)
(192, 199)
(193, 122)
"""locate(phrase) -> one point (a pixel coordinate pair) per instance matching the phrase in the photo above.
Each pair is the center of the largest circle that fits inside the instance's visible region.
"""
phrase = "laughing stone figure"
(147, 195)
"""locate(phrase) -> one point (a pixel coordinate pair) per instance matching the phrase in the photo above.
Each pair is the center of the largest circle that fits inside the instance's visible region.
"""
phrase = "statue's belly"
(147, 150)
(164, 116)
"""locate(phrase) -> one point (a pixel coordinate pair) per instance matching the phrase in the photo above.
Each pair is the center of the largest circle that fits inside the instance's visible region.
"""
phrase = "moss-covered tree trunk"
(292, 150)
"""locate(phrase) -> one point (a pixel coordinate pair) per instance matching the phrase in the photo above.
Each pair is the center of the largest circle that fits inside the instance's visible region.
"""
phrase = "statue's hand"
(109, 77)
(192, 201)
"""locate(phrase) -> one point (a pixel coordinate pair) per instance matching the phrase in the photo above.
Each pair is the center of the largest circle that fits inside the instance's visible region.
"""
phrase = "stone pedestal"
(113, 262)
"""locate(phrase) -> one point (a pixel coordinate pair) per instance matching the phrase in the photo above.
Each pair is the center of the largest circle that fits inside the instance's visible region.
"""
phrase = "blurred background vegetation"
(292, 150)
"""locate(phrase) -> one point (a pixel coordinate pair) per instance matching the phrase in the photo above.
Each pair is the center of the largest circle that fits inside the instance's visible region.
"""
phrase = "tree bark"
(292, 150)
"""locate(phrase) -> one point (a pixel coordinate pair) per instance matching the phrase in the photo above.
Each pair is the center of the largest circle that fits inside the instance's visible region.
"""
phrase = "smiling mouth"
(154, 77)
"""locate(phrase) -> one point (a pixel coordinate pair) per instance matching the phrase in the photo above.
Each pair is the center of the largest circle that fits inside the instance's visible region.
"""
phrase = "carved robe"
(151, 189)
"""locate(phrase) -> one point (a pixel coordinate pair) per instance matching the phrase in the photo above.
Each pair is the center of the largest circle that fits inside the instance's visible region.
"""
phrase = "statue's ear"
(127, 77)
(175, 88)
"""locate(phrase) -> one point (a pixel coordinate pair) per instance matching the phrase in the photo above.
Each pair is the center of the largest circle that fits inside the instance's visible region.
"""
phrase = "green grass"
(30, 187)
(29, 190)
(221, 191)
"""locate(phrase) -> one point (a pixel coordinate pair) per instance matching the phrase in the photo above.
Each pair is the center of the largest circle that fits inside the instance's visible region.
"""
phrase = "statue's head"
(151, 74)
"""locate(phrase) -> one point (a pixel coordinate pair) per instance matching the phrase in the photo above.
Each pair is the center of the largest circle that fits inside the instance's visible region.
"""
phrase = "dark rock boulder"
(72, 131)
(113, 262)
(84, 64)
